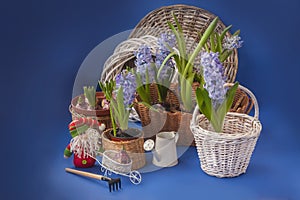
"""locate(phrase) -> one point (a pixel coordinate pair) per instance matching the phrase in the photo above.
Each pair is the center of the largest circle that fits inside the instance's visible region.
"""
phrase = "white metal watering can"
(164, 153)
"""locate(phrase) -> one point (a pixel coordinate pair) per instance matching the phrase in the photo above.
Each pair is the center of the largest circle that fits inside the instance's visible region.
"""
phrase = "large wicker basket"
(194, 21)
(226, 154)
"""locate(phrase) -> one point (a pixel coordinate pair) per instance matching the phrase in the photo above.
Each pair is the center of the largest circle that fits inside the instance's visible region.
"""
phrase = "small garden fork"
(114, 184)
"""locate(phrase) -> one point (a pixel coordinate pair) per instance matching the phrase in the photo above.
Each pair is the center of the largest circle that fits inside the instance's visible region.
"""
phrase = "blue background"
(42, 45)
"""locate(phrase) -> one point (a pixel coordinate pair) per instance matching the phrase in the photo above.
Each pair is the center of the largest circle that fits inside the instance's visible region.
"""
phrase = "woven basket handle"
(256, 108)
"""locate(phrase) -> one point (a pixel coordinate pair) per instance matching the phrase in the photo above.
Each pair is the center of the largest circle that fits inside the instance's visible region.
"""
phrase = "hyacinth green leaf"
(142, 90)
(142, 94)
(200, 99)
(186, 91)
(107, 88)
(147, 90)
(165, 61)
(114, 114)
(230, 96)
(218, 117)
(219, 43)
(177, 23)
(177, 59)
(178, 43)
(181, 41)
(125, 119)
(120, 102)
(212, 43)
(102, 86)
(237, 32)
(225, 55)
(147, 76)
(190, 69)
(80, 100)
(206, 48)
(113, 122)
(188, 94)
(199, 78)
(224, 32)
(183, 91)
(138, 78)
(90, 94)
(203, 40)
(204, 102)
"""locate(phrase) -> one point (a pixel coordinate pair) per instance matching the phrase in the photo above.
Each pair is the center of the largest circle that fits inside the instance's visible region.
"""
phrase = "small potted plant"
(155, 100)
(91, 104)
(225, 141)
(121, 93)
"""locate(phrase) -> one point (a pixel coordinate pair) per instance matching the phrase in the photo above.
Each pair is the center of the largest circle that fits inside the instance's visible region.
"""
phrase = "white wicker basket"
(226, 154)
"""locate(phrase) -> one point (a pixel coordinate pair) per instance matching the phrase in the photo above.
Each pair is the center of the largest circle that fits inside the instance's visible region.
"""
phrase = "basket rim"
(255, 120)
(255, 132)
(168, 7)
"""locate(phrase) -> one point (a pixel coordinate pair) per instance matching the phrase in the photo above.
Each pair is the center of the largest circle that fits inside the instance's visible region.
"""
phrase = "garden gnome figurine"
(85, 142)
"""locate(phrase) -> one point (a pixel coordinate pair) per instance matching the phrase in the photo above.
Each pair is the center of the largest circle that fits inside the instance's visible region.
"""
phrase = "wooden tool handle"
(86, 174)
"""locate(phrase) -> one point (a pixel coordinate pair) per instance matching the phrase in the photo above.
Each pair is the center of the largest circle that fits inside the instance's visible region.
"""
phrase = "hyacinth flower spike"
(184, 63)
(165, 67)
(144, 73)
(213, 99)
(224, 44)
(158, 70)
(121, 93)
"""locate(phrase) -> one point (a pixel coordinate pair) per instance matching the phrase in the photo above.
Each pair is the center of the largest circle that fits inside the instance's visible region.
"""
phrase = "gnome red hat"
(85, 142)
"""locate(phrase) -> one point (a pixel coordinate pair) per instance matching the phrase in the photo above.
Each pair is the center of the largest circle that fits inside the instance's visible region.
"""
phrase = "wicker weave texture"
(134, 148)
(123, 54)
(154, 122)
(226, 154)
(194, 21)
